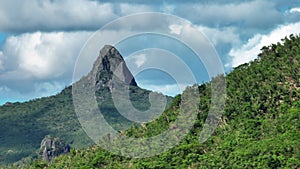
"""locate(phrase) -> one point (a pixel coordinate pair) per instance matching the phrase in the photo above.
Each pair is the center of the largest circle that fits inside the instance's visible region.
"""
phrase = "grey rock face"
(53, 147)
(108, 64)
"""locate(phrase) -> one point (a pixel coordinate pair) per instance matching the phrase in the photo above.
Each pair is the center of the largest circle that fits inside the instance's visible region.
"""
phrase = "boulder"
(52, 147)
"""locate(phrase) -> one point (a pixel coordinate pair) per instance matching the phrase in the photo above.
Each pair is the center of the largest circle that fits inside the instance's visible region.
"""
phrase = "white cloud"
(138, 59)
(44, 88)
(42, 55)
(251, 49)
(221, 35)
(175, 29)
(167, 89)
(48, 15)
(38, 64)
(223, 39)
(126, 8)
(295, 10)
(254, 14)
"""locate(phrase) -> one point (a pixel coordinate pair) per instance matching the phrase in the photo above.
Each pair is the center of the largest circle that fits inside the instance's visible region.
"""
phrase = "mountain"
(25, 125)
(107, 64)
(259, 129)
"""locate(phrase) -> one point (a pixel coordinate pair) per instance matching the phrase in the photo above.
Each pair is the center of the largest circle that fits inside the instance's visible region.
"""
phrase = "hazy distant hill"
(260, 127)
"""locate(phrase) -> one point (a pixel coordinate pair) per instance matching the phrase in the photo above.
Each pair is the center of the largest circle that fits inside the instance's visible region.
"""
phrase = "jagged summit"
(110, 62)
(110, 50)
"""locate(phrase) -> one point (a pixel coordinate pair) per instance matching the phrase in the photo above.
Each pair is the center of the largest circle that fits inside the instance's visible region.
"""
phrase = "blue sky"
(41, 40)
(2, 37)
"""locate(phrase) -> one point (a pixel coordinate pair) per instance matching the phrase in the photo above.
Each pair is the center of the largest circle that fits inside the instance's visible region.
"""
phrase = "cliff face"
(108, 64)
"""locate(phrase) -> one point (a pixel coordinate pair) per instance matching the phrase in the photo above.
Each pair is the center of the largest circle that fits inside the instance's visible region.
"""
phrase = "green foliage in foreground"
(260, 127)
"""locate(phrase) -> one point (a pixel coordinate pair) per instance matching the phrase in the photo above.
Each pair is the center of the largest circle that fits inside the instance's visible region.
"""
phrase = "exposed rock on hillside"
(52, 147)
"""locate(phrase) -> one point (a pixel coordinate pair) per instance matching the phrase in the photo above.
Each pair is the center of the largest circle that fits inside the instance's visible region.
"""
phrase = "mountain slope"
(24, 125)
(260, 127)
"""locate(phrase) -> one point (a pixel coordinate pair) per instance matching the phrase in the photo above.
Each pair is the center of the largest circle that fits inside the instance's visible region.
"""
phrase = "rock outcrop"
(52, 147)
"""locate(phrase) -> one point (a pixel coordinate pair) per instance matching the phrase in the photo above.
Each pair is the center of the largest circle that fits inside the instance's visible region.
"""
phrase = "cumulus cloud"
(44, 88)
(48, 15)
(42, 55)
(295, 10)
(248, 14)
(33, 15)
(227, 35)
(126, 8)
(175, 29)
(167, 89)
(251, 49)
(223, 39)
(38, 64)
(138, 59)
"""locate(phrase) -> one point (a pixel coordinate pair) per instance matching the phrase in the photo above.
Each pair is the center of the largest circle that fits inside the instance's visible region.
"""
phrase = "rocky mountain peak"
(108, 64)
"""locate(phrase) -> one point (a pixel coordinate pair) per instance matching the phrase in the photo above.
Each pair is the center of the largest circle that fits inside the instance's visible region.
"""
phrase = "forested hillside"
(25, 125)
(260, 127)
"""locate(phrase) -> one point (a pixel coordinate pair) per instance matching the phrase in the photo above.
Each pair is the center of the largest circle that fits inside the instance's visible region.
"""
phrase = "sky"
(40, 41)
